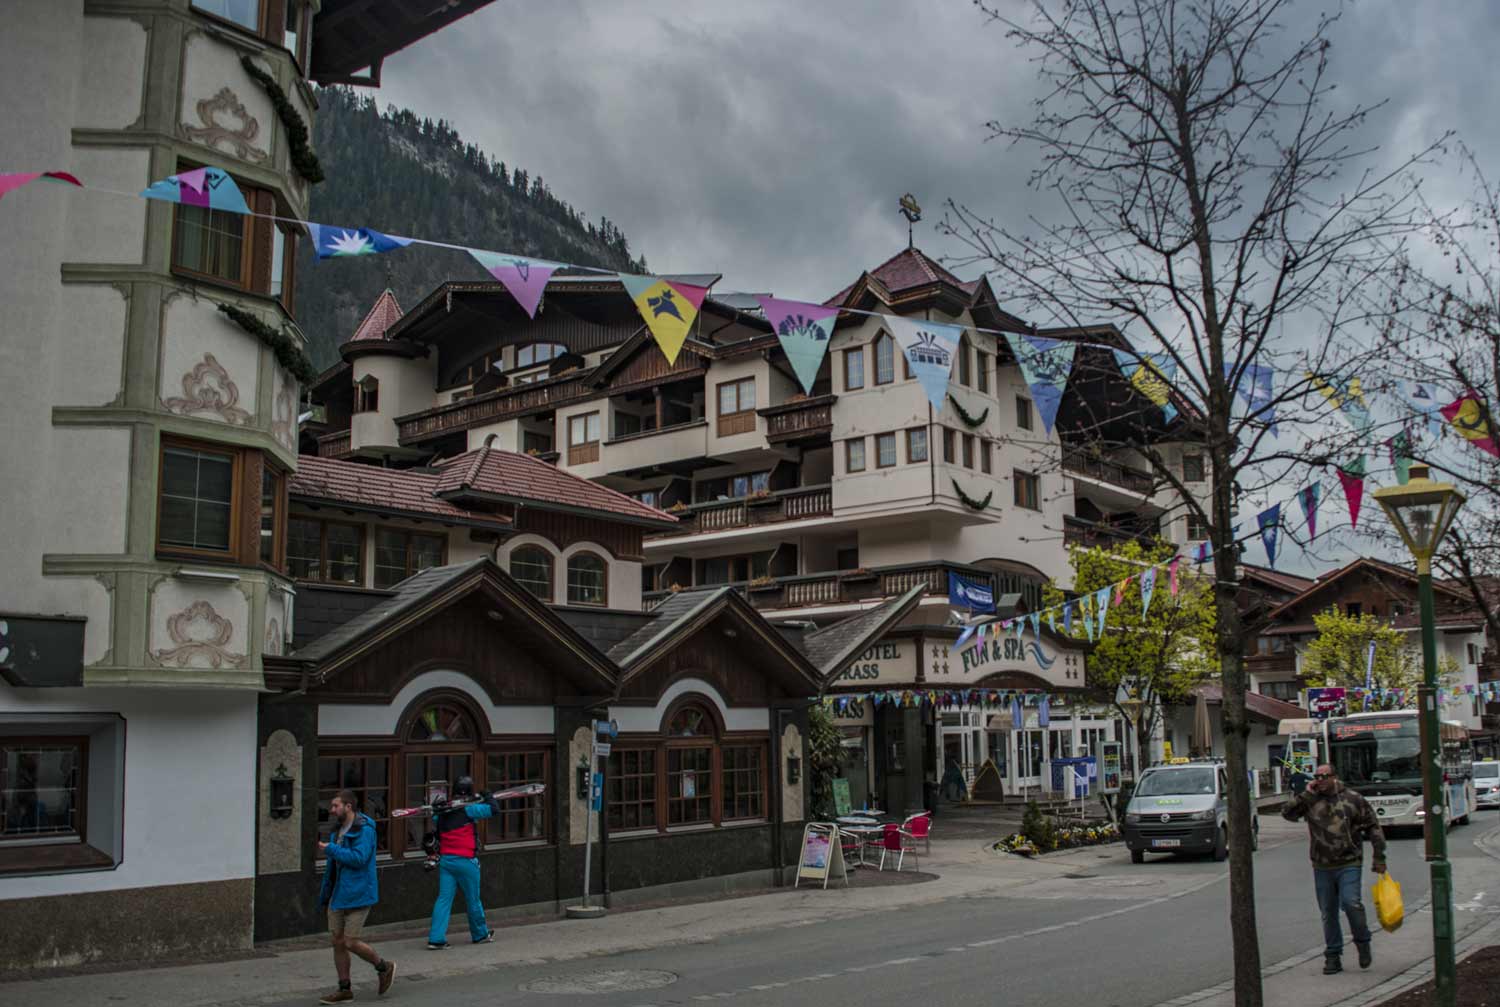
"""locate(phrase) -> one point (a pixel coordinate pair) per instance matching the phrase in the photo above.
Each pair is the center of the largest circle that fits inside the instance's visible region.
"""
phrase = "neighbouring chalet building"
(815, 509)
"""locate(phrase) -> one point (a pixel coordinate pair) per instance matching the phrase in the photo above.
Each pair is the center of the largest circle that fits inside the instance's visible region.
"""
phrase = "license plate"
(1166, 842)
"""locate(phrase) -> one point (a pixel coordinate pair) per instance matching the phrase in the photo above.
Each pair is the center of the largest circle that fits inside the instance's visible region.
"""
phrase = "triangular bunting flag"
(1036, 626)
(206, 187)
(929, 348)
(1172, 573)
(1101, 607)
(524, 278)
(1345, 395)
(1401, 455)
(1467, 414)
(1308, 497)
(1148, 587)
(1068, 618)
(1255, 387)
(803, 331)
(1151, 374)
(1120, 589)
(669, 309)
(1352, 478)
(13, 181)
(1045, 365)
(1270, 523)
(340, 242)
(1424, 399)
(1052, 619)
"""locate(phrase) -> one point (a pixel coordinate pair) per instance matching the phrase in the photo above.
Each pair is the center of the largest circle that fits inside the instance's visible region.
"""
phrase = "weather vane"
(912, 212)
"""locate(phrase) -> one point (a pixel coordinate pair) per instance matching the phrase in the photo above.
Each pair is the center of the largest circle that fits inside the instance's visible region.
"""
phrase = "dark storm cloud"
(770, 140)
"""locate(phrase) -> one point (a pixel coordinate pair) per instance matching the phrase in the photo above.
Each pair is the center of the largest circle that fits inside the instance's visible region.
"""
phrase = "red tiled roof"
(384, 313)
(407, 491)
(520, 477)
(909, 268)
(1271, 710)
(1286, 581)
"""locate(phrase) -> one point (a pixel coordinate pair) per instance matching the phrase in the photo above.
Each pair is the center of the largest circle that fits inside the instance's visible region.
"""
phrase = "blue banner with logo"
(964, 593)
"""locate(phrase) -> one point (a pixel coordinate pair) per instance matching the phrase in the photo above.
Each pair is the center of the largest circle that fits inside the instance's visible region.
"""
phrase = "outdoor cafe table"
(864, 829)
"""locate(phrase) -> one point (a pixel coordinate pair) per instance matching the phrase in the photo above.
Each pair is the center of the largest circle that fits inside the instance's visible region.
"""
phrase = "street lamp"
(1422, 510)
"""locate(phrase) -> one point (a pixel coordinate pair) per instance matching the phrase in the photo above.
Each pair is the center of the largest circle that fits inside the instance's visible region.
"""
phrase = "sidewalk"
(964, 867)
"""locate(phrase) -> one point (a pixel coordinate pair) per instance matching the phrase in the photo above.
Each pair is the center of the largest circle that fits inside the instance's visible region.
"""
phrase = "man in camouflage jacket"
(1339, 820)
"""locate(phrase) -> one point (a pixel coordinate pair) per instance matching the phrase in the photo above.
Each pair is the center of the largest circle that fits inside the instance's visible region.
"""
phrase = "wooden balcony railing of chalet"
(793, 420)
(583, 454)
(492, 407)
(746, 512)
(334, 445)
(1077, 531)
(733, 424)
(1081, 462)
(844, 586)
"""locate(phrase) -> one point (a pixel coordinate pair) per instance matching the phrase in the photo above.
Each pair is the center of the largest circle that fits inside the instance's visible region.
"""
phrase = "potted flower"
(760, 496)
(764, 583)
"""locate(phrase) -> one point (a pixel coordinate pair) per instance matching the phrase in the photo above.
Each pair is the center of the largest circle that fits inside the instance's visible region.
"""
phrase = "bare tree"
(1215, 201)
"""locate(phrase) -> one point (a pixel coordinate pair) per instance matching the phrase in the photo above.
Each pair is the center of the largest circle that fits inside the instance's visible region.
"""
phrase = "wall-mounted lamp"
(281, 792)
(793, 768)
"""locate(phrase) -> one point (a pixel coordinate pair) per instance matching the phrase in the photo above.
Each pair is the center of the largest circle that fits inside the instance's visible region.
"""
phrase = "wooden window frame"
(982, 371)
(80, 813)
(366, 395)
(647, 797)
(968, 451)
(762, 793)
(409, 534)
(239, 487)
(586, 451)
(1198, 525)
(391, 755)
(551, 570)
(1200, 462)
(894, 458)
(323, 524)
(883, 342)
(965, 368)
(257, 238)
(538, 805)
(1021, 477)
(926, 445)
(568, 583)
(1025, 419)
(263, 23)
(279, 516)
(741, 420)
(677, 746)
(950, 446)
(850, 355)
(864, 456)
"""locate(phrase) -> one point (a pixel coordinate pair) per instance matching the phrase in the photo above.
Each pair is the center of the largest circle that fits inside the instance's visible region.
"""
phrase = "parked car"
(1182, 808)
(1487, 784)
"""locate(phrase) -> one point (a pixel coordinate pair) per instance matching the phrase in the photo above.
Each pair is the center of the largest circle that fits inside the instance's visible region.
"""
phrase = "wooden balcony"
(749, 512)
(806, 419)
(492, 407)
(334, 445)
(841, 587)
(1081, 462)
(1077, 531)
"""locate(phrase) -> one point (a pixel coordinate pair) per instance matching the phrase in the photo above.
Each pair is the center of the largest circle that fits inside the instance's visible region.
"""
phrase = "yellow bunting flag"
(669, 309)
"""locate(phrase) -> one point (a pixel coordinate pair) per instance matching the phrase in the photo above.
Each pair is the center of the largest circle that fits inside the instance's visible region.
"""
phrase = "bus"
(1380, 755)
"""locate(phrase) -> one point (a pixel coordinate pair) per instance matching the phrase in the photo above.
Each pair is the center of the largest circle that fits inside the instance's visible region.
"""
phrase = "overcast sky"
(770, 140)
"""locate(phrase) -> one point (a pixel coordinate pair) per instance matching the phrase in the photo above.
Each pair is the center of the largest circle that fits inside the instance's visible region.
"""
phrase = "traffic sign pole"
(595, 804)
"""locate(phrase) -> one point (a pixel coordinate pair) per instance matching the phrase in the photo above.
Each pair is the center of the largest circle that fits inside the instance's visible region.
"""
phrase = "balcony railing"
(844, 586)
(747, 512)
(492, 407)
(1081, 462)
(334, 445)
(1077, 531)
(796, 420)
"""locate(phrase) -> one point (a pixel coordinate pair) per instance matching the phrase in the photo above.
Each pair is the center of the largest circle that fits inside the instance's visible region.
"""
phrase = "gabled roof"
(424, 593)
(1270, 710)
(831, 648)
(1276, 578)
(685, 613)
(406, 492)
(384, 313)
(1364, 563)
(906, 270)
(495, 476)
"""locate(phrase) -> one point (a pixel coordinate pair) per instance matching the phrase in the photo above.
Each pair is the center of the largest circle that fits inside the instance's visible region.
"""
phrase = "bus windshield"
(1377, 753)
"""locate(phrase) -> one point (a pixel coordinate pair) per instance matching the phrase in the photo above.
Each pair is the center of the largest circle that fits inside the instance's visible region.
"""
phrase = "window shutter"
(261, 234)
(247, 546)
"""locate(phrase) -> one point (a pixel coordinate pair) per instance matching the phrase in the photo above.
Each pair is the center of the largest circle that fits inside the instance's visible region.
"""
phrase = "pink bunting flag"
(525, 278)
(1120, 590)
(1172, 571)
(1353, 481)
(14, 180)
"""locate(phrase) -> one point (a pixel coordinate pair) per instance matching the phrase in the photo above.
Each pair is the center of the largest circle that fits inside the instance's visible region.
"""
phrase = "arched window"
(531, 566)
(885, 359)
(367, 394)
(537, 353)
(441, 741)
(587, 579)
(691, 734)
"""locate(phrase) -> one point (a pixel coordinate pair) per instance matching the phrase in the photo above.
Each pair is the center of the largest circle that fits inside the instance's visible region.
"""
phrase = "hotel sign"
(1042, 658)
(883, 662)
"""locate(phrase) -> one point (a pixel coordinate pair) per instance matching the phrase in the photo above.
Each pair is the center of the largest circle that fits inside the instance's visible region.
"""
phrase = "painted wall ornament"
(199, 632)
(216, 115)
(207, 388)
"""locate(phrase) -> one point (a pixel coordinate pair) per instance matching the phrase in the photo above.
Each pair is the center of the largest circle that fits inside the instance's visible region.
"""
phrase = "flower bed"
(1061, 838)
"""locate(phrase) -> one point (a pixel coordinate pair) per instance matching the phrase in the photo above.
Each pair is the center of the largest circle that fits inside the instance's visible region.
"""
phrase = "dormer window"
(367, 394)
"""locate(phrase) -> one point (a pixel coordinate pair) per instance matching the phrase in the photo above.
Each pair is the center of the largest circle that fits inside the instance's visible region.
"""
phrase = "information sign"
(842, 805)
(822, 856)
(1111, 753)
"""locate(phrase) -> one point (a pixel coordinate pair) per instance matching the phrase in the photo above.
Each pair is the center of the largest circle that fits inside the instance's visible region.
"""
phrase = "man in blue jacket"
(350, 891)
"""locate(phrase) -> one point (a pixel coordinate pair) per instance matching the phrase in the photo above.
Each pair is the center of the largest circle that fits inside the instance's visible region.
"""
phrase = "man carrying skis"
(350, 891)
(458, 868)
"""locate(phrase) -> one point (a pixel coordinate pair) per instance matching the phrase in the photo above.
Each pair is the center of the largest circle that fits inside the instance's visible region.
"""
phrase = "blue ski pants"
(455, 873)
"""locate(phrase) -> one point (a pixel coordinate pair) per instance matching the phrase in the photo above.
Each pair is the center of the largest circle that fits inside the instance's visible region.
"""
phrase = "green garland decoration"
(969, 501)
(288, 354)
(963, 414)
(303, 158)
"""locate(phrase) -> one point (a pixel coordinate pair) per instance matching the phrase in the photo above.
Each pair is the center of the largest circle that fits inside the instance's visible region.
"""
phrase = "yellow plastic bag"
(1388, 907)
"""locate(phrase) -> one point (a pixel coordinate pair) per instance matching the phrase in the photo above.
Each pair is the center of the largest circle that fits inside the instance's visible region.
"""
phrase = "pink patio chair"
(852, 846)
(898, 842)
(920, 827)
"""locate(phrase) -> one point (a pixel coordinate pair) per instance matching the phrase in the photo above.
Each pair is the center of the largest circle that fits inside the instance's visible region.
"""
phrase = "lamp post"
(1421, 511)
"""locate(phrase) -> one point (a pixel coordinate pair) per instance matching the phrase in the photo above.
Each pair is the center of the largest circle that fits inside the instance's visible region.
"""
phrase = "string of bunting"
(1395, 699)
(670, 307)
(1012, 699)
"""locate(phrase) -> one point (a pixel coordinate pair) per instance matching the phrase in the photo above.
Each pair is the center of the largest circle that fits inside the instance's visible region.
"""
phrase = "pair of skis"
(525, 790)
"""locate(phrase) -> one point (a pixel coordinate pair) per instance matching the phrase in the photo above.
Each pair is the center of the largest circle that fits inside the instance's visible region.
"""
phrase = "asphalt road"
(1113, 935)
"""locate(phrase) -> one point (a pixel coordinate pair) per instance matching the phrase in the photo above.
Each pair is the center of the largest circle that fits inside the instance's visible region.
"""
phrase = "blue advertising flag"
(338, 242)
(1370, 667)
(929, 348)
(1045, 365)
(965, 593)
(1270, 523)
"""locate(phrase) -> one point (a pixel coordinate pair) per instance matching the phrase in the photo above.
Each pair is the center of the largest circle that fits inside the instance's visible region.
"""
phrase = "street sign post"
(597, 749)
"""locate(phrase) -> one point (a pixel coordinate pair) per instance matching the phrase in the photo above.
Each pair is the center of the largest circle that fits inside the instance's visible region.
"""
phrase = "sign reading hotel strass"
(881, 662)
